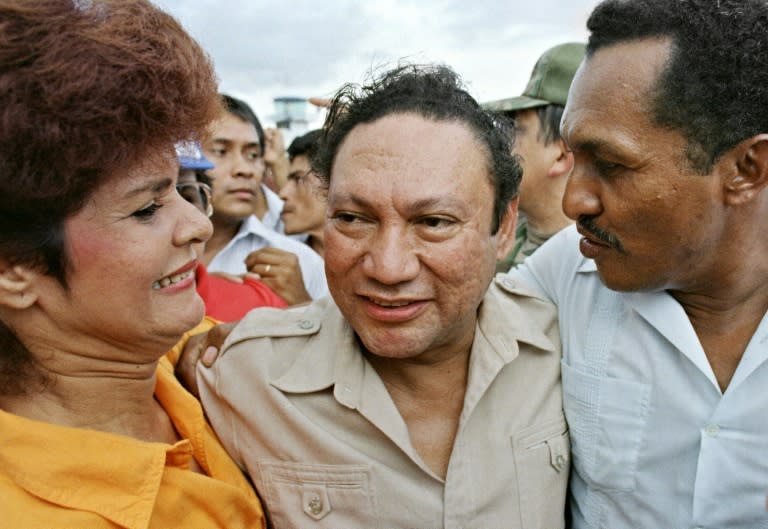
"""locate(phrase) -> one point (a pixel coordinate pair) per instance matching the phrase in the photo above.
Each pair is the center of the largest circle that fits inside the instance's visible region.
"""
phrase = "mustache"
(588, 224)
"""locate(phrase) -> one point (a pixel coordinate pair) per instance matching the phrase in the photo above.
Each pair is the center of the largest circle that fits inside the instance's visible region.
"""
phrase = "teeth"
(390, 304)
(167, 281)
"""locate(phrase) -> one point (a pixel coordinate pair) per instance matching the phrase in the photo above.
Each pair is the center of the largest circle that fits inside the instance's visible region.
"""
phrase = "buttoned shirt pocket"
(542, 460)
(608, 421)
(299, 495)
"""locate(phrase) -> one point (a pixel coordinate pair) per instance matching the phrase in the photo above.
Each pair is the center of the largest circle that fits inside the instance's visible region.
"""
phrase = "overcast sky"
(264, 49)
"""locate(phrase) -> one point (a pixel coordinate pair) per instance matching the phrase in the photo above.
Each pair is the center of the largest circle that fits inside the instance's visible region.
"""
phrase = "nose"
(391, 257)
(287, 190)
(192, 226)
(582, 193)
(245, 168)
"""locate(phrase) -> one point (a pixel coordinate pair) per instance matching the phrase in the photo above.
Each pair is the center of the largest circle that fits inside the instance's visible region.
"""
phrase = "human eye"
(217, 151)
(606, 168)
(147, 212)
(253, 155)
(435, 222)
(345, 217)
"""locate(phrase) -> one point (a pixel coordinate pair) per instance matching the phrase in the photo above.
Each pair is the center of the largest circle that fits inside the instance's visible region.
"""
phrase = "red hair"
(86, 87)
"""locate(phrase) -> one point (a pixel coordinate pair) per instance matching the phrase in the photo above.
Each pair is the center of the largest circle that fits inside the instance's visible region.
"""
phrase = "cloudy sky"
(264, 49)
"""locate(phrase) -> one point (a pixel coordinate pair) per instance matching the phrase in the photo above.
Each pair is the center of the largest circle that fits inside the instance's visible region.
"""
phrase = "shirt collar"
(343, 365)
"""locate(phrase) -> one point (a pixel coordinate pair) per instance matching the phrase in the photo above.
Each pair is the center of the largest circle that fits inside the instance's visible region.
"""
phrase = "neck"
(725, 312)
(113, 397)
(429, 381)
(260, 204)
(547, 222)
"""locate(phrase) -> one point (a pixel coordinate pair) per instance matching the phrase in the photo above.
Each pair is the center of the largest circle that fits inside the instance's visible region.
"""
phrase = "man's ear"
(16, 290)
(563, 164)
(749, 176)
(505, 237)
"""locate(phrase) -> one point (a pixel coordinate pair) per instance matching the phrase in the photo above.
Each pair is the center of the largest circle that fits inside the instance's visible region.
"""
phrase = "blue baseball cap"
(191, 156)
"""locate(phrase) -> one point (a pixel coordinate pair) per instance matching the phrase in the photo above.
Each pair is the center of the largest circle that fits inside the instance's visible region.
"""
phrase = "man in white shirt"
(246, 215)
(663, 318)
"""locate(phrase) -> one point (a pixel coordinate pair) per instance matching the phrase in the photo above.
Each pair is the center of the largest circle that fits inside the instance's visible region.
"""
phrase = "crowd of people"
(547, 311)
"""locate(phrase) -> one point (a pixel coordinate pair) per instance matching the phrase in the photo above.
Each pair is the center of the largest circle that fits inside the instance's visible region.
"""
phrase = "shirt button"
(560, 462)
(315, 506)
(306, 324)
(712, 430)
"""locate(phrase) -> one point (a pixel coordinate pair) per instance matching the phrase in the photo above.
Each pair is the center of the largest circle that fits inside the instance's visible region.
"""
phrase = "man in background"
(545, 158)
(246, 214)
(303, 196)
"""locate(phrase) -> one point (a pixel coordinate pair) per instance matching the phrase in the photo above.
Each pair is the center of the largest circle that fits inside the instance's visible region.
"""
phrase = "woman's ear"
(15, 285)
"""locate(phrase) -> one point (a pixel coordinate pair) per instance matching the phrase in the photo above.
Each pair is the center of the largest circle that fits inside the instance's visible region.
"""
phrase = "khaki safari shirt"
(297, 405)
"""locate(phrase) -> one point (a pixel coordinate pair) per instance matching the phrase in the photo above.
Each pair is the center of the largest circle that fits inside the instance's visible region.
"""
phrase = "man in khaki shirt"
(424, 394)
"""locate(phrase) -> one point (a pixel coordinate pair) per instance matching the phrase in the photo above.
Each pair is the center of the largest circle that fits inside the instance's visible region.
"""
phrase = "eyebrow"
(154, 186)
(596, 146)
(227, 141)
(418, 205)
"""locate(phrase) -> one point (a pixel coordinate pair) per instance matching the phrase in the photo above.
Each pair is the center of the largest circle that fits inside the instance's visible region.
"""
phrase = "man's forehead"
(228, 127)
(614, 83)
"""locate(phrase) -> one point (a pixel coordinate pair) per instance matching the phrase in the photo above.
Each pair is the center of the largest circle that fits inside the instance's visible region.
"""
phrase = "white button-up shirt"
(655, 443)
(252, 236)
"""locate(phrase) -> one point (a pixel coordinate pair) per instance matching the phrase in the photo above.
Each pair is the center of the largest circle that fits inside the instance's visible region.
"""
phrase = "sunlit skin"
(545, 167)
(130, 296)
(304, 203)
(650, 222)
(115, 284)
(409, 250)
(233, 147)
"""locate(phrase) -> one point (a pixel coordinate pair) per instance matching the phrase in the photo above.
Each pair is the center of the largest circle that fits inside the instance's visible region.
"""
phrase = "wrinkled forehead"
(616, 83)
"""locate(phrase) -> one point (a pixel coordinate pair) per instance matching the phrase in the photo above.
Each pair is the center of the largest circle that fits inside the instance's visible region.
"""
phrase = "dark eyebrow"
(226, 141)
(416, 206)
(595, 147)
(155, 186)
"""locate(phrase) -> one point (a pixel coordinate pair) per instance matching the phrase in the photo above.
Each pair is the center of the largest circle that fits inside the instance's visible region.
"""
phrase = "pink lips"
(243, 194)
(393, 311)
(172, 283)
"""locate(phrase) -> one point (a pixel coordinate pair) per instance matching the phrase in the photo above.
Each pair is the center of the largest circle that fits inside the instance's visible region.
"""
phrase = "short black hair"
(549, 121)
(714, 87)
(241, 109)
(306, 144)
(431, 91)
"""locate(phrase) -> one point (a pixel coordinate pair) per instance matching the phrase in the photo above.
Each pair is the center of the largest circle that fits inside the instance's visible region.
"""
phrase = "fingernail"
(209, 355)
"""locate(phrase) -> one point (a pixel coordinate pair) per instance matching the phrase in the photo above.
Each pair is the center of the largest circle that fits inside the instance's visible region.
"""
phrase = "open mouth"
(389, 304)
(170, 280)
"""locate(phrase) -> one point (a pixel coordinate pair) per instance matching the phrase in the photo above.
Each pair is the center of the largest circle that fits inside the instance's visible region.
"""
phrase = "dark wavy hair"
(431, 91)
(86, 87)
(714, 87)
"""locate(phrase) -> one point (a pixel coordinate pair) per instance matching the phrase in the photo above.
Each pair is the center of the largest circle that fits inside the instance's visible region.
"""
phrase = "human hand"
(274, 146)
(280, 271)
(276, 161)
(321, 102)
(203, 347)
